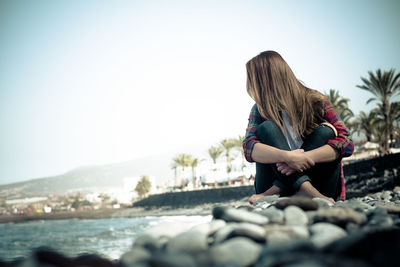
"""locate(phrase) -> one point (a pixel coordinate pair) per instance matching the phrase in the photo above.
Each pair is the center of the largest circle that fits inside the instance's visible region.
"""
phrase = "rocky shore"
(275, 231)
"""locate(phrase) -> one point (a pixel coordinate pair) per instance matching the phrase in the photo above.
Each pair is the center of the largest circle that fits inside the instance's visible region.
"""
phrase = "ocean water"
(108, 238)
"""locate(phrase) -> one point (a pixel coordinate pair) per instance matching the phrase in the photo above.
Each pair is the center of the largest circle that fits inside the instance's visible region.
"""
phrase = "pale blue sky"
(92, 82)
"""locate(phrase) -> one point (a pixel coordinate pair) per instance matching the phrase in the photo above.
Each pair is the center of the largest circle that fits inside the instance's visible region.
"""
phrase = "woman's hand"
(284, 168)
(295, 161)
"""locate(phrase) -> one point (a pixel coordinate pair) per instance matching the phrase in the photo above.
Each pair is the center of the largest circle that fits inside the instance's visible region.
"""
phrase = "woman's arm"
(257, 152)
(296, 159)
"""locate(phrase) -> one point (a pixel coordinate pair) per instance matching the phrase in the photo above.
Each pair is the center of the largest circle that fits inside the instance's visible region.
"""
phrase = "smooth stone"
(390, 208)
(325, 233)
(295, 216)
(209, 228)
(322, 203)
(234, 215)
(304, 203)
(277, 234)
(252, 231)
(340, 216)
(167, 229)
(267, 199)
(379, 217)
(215, 225)
(132, 257)
(149, 242)
(274, 215)
(190, 242)
(354, 204)
(238, 250)
(396, 190)
(172, 260)
(378, 248)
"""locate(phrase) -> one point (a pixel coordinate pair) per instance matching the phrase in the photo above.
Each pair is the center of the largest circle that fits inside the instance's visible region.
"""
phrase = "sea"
(109, 238)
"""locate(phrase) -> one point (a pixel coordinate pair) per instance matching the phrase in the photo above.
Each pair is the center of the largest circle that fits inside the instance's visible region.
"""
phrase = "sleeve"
(342, 142)
(250, 138)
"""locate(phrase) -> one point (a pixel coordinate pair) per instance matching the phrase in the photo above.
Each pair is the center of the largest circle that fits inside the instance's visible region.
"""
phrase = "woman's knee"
(325, 132)
(268, 130)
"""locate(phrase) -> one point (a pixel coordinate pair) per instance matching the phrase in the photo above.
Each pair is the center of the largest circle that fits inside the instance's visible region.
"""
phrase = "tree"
(366, 123)
(394, 118)
(341, 105)
(193, 162)
(215, 152)
(183, 161)
(239, 146)
(143, 186)
(228, 144)
(384, 86)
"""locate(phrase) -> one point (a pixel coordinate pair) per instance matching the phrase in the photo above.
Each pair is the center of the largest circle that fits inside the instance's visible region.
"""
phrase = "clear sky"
(93, 82)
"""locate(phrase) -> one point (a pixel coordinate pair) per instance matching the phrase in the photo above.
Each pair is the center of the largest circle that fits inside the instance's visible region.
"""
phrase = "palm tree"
(394, 118)
(193, 162)
(366, 123)
(340, 104)
(228, 144)
(239, 146)
(384, 87)
(215, 152)
(181, 160)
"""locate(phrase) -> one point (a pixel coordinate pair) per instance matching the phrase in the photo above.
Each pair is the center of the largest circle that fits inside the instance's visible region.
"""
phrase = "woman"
(293, 135)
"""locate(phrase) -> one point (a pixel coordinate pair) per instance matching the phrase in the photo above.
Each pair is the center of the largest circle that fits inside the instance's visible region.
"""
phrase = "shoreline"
(132, 212)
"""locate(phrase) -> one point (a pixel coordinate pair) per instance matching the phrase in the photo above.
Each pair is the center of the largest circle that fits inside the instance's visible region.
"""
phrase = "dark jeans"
(323, 176)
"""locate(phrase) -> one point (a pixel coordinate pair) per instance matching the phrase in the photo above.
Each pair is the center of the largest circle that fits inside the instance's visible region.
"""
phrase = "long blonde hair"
(274, 88)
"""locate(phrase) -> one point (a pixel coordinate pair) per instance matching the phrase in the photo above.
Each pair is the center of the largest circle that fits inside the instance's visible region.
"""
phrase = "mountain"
(90, 178)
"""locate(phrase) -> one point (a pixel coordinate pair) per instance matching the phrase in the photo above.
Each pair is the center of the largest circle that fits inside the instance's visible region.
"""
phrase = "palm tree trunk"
(387, 125)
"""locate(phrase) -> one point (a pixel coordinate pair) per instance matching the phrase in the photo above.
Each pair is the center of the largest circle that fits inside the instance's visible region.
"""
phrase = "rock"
(379, 248)
(135, 255)
(274, 215)
(379, 217)
(304, 203)
(149, 242)
(172, 260)
(325, 233)
(354, 204)
(266, 201)
(234, 215)
(301, 253)
(191, 242)
(252, 231)
(396, 190)
(322, 203)
(295, 216)
(340, 216)
(209, 228)
(238, 250)
(277, 234)
(390, 208)
(167, 229)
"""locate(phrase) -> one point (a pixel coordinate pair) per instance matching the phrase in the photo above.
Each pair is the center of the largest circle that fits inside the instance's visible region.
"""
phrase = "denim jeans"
(323, 176)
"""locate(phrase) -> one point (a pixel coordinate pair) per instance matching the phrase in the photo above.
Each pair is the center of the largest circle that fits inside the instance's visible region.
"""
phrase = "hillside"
(91, 177)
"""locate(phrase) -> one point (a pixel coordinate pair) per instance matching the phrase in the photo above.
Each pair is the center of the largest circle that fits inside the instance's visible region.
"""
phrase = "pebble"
(322, 203)
(325, 233)
(135, 255)
(252, 231)
(274, 215)
(304, 203)
(236, 215)
(191, 241)
(295, 216)
(238, 250)
(340, 216)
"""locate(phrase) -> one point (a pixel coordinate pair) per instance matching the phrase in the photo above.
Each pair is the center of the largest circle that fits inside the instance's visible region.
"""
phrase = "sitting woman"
(293, 135)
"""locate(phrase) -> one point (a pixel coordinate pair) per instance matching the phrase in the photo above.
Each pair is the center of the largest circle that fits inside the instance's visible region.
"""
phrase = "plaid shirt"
(341, 143)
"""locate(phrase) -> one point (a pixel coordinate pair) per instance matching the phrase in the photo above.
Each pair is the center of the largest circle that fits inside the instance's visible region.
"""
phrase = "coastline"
(133, 212)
